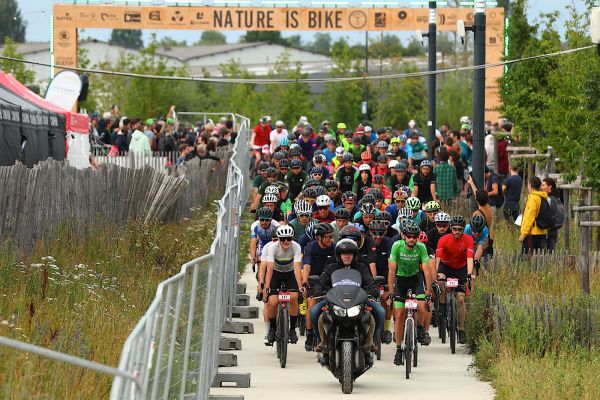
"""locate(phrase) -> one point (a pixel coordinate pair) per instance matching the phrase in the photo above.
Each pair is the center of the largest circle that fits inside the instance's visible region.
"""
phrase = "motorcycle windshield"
(346, 288)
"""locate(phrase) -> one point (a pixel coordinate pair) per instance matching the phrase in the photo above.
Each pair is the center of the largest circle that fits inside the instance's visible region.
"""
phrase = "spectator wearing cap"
(400, 176)
(307, 144)
(425, 183)
(277, 134)
(447, 187)
(357, 148)
(418, 151)
(382, 147)
(330, 146)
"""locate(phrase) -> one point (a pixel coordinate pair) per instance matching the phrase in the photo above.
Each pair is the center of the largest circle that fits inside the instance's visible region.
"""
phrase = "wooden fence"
(34, 202)
(560, 319)
(559, 261)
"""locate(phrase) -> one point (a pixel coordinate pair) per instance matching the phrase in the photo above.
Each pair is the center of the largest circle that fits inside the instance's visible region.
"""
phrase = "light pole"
(365, 103)
(479, 94)
(432, 35)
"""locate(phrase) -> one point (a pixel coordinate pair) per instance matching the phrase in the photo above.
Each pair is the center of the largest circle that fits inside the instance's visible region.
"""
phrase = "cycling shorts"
(460, 273)
(278, 277)
(403, 283)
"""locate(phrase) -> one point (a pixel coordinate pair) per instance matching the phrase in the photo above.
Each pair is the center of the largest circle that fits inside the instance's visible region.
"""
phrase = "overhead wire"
(267, 81)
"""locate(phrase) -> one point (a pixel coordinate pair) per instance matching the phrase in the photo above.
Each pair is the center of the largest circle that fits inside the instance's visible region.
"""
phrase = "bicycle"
(383, 287)
(282, 338)
(451, 317)
(411, 348)
(302, 309)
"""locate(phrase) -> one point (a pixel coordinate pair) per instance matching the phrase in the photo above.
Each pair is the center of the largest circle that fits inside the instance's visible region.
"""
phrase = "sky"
(37, 15)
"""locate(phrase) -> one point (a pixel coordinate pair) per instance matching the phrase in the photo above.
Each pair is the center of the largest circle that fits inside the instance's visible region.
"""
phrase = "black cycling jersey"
(345, 178)
(433, 237)
(318, 257)
(295, 182)
(383, 255)
(426, 225)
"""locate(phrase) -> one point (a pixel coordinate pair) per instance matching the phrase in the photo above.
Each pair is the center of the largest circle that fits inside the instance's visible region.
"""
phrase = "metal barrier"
(173, 350)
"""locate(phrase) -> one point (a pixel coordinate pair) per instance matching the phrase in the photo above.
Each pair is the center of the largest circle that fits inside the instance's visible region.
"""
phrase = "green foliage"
(454, 97)
(211, 38)
(130, 38)
(11, 22)
(243, 98)
(83, 61)
(168, 43)
(264, 36)
(321, 43)
(16, 68)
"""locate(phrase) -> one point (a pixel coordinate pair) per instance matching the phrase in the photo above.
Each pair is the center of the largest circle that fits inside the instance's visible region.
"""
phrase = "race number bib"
(452, 282)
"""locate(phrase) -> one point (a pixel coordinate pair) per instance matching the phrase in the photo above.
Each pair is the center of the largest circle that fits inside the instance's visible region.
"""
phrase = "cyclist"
(317, 254)
(414, 205)
(303, 212)
(257, 182)
(431, 209)
(260, 138)
(261, 232)
(308, 235)
(324, 212)
(401, 177)
(478, 230)
(337, 161)
(347, 174)
(346, 252)
(342, 218)
(366, 245)
(283, 266)
(356, 148)
(381, 168)
(330, 149)
(400, 197)
(363, 182)
(395, 148)
(386, 195)
(366, 215)
(284, 168)
(295, 178)
(333, 192)
(454, 259)
(270, 200)
(442, 223)
(424, 183)
(383, 246)
(365, 158)
(408, 258)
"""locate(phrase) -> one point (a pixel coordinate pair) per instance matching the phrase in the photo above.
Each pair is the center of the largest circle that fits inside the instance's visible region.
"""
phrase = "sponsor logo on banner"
(132, 17)
(64, 18)
(357, 19)
(200, 19)
(402, 15)
(177, 17)
(154, 15)
(108, 16)
(380, 21)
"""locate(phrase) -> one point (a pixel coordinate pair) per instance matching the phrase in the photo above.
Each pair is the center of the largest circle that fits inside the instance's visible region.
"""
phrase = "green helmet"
(413, 203)
(432, 206)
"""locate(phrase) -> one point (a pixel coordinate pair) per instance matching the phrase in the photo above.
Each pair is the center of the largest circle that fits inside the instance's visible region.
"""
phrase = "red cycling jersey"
(453, 252)
(261, 135)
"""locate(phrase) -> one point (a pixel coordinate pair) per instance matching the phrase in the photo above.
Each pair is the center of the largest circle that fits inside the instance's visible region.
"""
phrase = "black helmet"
(367, 208)
(351, 232)
(377, 226)
(316, 170)
(323, 228)
(347, 157)
(378, 194)
(458, 220)
(320, 190)
(279, 155)
(384, 216)
(342, 213)
(271, 171)
(310, 193)
(311, 182)
(295, 152)
(285, 163)
(330, 184)
(368, 198)
(348, 196)
(477, 223)
(265, 213)
(410, 228)
(263, 166)
(296, 163)
(346, 246)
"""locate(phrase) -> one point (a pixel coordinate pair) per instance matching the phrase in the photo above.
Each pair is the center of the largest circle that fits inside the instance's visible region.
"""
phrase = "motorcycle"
(346, 321)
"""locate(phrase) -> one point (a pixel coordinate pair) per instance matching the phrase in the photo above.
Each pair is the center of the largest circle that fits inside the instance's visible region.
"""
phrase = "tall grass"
(82, 296)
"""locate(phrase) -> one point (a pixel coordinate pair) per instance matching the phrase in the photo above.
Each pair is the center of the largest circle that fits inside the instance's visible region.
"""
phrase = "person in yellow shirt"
(532, 236)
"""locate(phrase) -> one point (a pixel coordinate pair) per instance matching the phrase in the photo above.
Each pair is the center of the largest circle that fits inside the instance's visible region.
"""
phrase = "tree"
(11, 22)
(241, 98)
(211, 38)
(454, 97)
(414, 48)
(130, 38)
(321, 43)
(389, 47)
(264, 36)
(168, 43)
(16, 68)
(83, 61)
(295, 41)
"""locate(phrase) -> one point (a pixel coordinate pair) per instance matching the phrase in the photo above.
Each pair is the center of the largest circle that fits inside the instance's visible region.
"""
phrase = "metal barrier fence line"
(173, 349)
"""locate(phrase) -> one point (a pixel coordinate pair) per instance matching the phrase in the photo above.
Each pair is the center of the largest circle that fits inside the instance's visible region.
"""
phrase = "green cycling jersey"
(408, 261)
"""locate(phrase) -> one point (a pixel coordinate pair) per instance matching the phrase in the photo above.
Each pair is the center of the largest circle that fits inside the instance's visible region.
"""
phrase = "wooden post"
(567, 225)
(584, 241)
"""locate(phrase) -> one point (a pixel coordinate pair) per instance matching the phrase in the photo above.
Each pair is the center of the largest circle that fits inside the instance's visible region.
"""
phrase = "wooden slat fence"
(559, 261)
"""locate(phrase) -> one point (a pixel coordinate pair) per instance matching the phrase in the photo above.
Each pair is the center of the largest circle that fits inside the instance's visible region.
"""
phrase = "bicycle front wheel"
(452, 322)
(283, 335)
(409, 340)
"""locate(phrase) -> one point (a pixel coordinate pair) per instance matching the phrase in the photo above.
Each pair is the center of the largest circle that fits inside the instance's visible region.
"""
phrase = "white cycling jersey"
(283, 259)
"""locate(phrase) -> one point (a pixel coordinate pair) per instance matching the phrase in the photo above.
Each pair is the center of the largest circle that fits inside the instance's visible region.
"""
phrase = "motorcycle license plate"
(452, 282)
(285, 297)
(410, 304)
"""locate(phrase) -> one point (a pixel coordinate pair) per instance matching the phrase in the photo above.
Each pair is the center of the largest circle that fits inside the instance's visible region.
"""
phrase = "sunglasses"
(309, 199)
(400, 201)
(411, 236)
(296, 167)
(264, 220)
(284, 240)
(317, 174)
(377, 234)
(323, 208)
(331, 189)
(457, 229)
(304, 216)
(442, 225)
(283, 168)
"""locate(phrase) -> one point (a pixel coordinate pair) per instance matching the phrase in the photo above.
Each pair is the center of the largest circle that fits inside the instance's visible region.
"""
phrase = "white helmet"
(339, 151)
(364, 167)
(268, 118)
(269, 198)
(323, 201)
(393, 163)
(285, 231)
(302, 207)
(271, 189)
(303, 119)
(465, 120)
(279, 123)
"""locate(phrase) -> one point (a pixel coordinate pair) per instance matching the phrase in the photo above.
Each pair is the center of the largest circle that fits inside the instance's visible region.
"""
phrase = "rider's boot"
(387, 334)
(293, 336)
(462, 337)
(310, 340)
(399, 357)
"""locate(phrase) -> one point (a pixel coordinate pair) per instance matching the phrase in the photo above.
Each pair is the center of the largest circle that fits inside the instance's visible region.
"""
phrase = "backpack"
(559, 212)
(545, 217)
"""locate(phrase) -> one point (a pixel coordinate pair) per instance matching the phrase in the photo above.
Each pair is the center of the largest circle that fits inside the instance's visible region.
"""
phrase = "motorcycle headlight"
(353, 311)
(339, 311)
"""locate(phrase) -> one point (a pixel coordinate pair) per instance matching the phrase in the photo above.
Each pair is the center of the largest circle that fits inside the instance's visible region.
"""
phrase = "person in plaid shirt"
(446, 183)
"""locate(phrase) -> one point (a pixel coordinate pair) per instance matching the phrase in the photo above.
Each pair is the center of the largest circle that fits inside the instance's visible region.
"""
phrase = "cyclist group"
(360, 199)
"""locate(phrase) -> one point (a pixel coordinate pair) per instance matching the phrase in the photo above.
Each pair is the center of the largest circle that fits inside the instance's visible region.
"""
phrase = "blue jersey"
(263, 236)
(481, 239)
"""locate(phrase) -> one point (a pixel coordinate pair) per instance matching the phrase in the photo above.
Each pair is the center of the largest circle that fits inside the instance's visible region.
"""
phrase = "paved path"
(440, 373)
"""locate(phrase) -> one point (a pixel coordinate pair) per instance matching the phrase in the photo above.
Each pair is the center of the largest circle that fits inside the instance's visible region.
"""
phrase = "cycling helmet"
(296, 163)
(330, 184)
(269, 198)
(405, 213)
(351, 232)
(342, 213)
(323, 228)
(310, 193)
(311, 182)
(319, 158)
(328, 138)
(378, 194)
(432, 206)
(356, 139)
(477, 223)
(265, 213)
(285, 231)
(425, 163)
(271, 171)
(263, 166)
(392, 164)
(346, 246)
(395, 140)
(323, 201)
(285, 163)
(413, 203)
(295, 152)
(365, 156)
(399, 167)
(286, 154)
(284, 141)
(339, 151)
(310, 230)
(278, 155)
(377, 226)
(279, 123)
(320, 190)
(382, 158)
(349, 196)
(271, 189)
(316, 170)
(384, 216)
(382, 144)
(347, 157)
(442, 217)
(367, 209)
(400, 195)
(423, 237)
(410, 228)
(292, 138)
(341, 125)
(379, 179)
(364, 167)
(302, 208)
(458, 220)
(368, 198)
